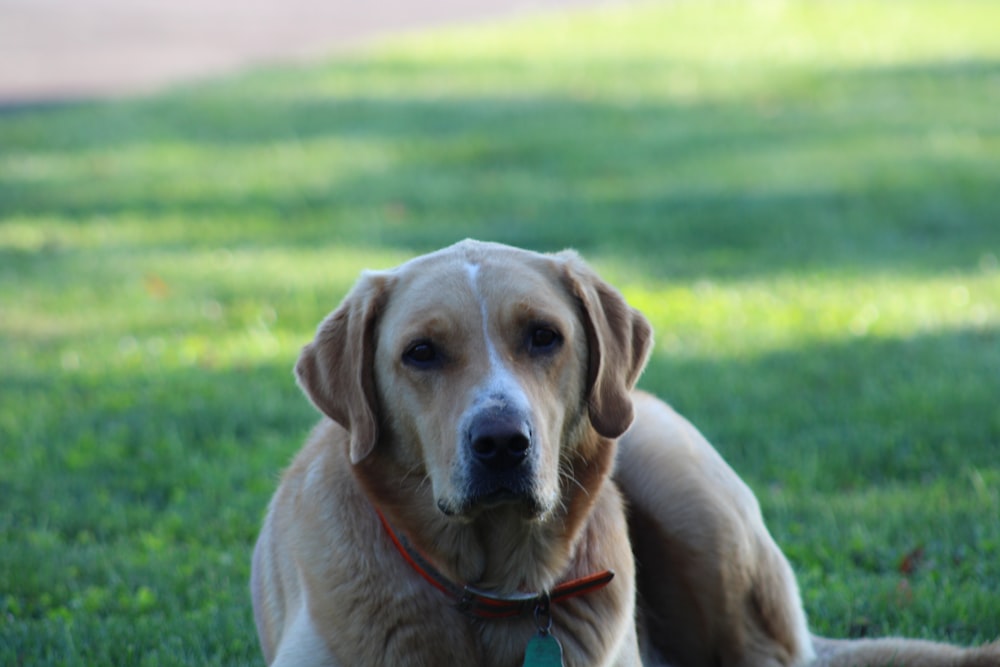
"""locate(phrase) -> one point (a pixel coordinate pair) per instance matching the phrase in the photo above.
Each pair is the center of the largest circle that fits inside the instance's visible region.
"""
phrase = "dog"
(487, 487)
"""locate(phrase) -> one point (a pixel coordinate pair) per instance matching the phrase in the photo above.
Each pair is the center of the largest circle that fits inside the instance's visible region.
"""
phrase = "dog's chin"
(522, 505)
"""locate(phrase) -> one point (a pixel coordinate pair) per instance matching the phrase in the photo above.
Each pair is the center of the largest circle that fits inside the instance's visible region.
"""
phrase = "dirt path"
(58, 50)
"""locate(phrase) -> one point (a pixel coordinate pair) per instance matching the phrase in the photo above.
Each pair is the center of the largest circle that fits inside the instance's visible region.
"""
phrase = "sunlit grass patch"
(748, 318)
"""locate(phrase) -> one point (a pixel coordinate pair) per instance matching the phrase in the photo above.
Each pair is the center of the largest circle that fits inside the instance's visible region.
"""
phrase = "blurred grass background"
(802, 196)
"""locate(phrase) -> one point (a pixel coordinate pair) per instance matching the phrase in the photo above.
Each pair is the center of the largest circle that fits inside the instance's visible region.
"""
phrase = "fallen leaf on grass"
(156, 286)
(909, 563)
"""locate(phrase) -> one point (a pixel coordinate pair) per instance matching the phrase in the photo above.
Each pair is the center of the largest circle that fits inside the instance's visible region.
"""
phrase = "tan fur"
(329, 588)
(708, 569)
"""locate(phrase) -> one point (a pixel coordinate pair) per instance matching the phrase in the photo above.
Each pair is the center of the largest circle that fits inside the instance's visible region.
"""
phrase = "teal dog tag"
(543, 651)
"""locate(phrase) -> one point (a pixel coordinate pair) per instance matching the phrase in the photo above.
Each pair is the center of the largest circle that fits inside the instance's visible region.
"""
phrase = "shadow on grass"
(144, 441)
(130, 502)
(836, 418)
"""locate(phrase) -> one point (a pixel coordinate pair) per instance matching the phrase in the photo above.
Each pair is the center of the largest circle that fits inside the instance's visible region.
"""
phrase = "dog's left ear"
(619, 339)
(336, 370)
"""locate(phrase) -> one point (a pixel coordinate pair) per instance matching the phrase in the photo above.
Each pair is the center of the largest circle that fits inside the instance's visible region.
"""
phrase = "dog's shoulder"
(318, 502)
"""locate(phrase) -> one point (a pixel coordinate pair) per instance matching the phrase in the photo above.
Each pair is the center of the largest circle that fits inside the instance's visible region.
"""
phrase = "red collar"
(479, 603)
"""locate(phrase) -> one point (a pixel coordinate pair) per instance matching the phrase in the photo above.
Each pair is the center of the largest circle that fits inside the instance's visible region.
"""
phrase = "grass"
(801, 196)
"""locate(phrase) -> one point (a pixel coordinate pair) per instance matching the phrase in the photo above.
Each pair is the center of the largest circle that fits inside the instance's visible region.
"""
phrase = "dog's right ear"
(337, 369)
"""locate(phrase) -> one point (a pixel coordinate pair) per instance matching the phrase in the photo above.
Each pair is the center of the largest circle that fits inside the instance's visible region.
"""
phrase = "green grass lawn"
(803, 197)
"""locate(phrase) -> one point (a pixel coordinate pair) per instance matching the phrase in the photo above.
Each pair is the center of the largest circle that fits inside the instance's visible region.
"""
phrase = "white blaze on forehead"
(500, 381)
(473, 271)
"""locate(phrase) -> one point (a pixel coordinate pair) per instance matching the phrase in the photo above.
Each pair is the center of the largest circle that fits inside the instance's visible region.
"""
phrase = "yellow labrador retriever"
(488, 489)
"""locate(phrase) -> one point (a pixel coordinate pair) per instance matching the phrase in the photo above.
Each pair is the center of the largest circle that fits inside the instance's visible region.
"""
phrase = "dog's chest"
(455, 638)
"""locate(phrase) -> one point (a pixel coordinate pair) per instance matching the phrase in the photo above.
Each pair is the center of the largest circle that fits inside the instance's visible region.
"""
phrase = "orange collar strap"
(483, 604)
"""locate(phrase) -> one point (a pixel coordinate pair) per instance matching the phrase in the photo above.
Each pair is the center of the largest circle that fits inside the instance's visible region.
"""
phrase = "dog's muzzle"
(499, 443)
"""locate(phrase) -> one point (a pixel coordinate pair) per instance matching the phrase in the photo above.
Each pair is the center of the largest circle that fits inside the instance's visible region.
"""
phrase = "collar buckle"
(481, 603)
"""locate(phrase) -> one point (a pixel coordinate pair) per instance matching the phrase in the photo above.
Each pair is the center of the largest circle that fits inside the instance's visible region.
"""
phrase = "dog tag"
(543, 650)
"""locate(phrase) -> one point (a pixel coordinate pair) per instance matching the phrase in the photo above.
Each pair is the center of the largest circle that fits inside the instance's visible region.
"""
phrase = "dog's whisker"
(567, 475)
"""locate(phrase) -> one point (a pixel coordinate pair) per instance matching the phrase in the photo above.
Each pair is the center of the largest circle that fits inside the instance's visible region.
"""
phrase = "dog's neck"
(499, 550)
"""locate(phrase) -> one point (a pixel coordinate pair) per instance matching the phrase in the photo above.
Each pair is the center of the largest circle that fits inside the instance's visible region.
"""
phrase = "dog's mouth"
(500, 497)
(493, 495)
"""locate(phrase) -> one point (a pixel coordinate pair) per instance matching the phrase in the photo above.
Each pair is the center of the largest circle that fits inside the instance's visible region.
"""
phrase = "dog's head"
(479, 367)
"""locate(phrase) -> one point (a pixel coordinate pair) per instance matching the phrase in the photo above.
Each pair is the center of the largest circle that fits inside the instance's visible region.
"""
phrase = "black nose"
(500, 440)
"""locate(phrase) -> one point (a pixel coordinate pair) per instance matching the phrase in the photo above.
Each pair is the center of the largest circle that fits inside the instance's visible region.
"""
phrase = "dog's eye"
(421, 354)
(544, 339)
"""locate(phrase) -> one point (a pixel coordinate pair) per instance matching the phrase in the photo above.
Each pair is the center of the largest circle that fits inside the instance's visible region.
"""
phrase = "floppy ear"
(619, 339)
(336, 370)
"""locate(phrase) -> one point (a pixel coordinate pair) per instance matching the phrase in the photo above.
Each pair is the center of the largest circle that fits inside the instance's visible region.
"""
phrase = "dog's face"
(484, 366)
(479, 367)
